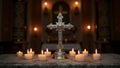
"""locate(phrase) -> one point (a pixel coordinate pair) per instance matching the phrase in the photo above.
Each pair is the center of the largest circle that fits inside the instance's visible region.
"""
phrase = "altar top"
(12, 61)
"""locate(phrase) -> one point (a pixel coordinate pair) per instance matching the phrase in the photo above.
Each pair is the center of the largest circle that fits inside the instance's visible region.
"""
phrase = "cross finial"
(59, 17)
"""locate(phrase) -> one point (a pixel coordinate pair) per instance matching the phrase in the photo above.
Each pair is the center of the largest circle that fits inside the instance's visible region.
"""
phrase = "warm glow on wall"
(76, 8)
(45, 4)
(35, 29)
(88, 27)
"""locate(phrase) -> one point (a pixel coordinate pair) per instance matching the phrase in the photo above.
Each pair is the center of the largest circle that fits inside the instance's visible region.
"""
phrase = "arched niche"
(62, 7)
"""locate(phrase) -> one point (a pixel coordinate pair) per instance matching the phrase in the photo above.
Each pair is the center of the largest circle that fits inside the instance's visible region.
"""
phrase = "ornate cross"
(60, 26)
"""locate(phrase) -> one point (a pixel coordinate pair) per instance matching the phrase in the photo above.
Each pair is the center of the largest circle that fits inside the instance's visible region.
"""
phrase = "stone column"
(28, 23)
(104, 23)
(0, 19)
(19, 22)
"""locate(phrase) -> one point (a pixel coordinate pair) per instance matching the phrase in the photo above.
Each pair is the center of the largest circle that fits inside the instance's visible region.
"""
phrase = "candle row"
(30, 54)
(81, 56)
(43, 56)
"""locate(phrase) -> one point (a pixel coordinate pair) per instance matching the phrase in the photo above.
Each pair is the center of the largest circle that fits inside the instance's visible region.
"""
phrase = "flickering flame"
(35, 28)
(76, 2)
(72, 49)
(95, 51)
(41, 51)
(45, 3)
(88, 27)
(28, 51)
(78, 52)
(47, 50)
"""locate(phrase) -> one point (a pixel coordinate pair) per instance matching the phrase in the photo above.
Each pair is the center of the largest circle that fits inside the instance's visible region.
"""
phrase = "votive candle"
(41, 56)
(72, 52)
(96, 56)
(85, 52)
(19, 53)
(47, 53)
(79, 57)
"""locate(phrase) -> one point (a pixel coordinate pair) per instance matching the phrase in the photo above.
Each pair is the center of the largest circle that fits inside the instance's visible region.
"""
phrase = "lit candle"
(85, 52)
(28, 51)
(35, 29)
(88, 27)
(41, 56)
(96, 56)
(31, 51)
(47, 53)
(19, 53)
(45, 3)
(28, 55)
(76, 3)
(79, 57)
(72, 52)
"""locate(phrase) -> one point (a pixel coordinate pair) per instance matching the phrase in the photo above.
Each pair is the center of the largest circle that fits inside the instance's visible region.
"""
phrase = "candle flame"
(88, 27)
(76, 2)
(41, 51)
(35, 28)
(45, 3)
(72, 49)
(47, 50)
(78, 52)
(28, 51)
(95, 51)
(85, 50)
(19, 51)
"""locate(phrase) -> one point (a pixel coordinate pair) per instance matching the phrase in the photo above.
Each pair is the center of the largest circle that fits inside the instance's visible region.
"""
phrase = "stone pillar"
(28, 22)
(104, 21)
(19, 22)
(0, 19)
(76, 20)
(103, 24)
(45, 19)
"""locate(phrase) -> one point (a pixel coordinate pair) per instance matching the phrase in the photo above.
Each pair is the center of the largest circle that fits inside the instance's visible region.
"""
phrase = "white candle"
(47, 53)
(72, 52)
(31, 51)
(41, 56)
(96, 56)
(28, 56)
(79, 57)
(28, 51)
(85, 52)
(19, 53)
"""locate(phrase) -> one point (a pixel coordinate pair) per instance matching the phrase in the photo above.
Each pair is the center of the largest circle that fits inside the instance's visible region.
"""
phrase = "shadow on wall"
(9, 47)
(116, 46)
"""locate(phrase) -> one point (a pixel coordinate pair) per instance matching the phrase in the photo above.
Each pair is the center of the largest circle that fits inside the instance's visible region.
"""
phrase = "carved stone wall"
(19, 22)
(0, 18)
(104, 22)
